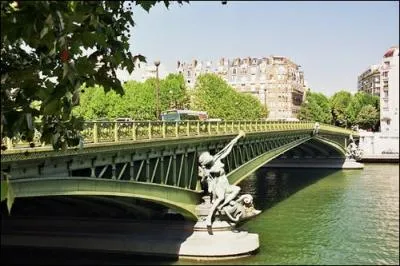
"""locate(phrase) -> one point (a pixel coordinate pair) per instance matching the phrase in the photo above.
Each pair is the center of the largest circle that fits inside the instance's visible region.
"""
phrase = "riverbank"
(329, 163)
(380, 158)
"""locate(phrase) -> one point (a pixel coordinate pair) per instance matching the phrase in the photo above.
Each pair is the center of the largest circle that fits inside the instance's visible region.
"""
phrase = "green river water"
(314, 216)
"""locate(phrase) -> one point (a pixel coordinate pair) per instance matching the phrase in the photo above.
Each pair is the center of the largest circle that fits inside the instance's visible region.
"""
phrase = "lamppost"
(157, 63)
(171, 99)
(265, 99)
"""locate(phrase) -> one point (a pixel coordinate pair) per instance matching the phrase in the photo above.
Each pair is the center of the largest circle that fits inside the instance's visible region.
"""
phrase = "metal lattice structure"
(158, 161)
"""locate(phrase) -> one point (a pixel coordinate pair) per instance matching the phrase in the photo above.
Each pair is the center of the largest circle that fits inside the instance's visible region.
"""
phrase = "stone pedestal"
(220, 241)
(352, 164)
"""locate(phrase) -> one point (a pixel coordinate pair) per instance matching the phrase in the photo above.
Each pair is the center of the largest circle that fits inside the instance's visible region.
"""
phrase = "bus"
(179, 115)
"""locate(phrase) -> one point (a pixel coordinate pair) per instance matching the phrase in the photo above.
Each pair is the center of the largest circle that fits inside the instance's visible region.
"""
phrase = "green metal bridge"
(158, 161)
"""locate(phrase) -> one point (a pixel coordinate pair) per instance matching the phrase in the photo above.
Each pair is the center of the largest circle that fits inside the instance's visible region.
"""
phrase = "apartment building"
(383, 80)
(387, 140)
(389, 100)
(275, 80)
(369, 80)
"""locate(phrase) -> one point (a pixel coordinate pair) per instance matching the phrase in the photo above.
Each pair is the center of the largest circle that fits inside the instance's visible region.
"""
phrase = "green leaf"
(65, 69)
(10, 195)
(84, 66)
(166, 2)
(4, 189)
(52, 107)
(72, 5)
(139, 58)
(49, 20)
(44, 31)
(146, 5)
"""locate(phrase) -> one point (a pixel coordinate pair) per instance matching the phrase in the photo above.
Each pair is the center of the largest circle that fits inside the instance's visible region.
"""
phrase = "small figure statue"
(316, 128)
(241, 208)
(352, 150)
(212, 170)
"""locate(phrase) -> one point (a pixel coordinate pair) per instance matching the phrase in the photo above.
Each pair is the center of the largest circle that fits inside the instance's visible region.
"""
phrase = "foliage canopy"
(215, 96)
(49, 49)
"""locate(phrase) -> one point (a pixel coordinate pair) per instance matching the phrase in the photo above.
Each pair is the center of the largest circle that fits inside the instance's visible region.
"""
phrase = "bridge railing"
(112, 131)
(98, 132)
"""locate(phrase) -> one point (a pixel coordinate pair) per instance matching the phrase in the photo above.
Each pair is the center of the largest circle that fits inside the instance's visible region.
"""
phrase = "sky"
(332, 41)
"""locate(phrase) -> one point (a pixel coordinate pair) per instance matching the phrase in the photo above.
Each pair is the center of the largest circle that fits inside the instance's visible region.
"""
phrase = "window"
(385, 104)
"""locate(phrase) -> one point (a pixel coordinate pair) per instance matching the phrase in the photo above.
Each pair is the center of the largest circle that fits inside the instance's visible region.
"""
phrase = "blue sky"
(332, 41)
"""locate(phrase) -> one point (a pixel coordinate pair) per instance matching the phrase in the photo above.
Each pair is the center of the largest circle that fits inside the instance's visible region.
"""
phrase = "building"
(369, 81)
(276, 81)
(383, 80)
(387, 140)
(389, 99)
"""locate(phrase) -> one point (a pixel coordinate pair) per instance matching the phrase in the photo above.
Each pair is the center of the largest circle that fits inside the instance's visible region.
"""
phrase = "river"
(310, 216)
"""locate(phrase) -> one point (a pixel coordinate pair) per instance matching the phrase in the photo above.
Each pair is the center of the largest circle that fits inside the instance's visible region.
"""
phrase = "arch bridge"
(158, 161)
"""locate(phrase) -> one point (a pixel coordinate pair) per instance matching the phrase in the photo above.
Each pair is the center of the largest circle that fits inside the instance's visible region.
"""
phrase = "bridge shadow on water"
(125, 224)
(269, 186)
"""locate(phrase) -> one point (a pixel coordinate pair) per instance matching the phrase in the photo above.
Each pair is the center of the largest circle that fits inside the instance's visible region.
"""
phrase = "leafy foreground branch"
(49, 49)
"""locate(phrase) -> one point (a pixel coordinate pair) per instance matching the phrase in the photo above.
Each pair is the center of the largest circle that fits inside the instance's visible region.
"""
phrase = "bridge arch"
(182, 200)
(312, 145)
(158, 162)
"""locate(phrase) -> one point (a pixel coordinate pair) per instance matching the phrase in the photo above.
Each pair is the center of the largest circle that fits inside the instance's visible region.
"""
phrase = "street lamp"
(157, 63)
(171, 99)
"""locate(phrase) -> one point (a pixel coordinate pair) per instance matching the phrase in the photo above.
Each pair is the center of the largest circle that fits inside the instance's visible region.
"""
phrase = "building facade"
(383, 80)
(387, 140)
(369, 81)
(276, 81)
(389, 99)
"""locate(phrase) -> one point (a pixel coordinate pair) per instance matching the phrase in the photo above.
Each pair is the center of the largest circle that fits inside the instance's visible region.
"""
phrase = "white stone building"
(387, 140)
(370, 80)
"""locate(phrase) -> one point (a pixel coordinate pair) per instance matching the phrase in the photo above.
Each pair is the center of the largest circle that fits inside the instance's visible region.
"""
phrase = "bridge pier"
(222, 240)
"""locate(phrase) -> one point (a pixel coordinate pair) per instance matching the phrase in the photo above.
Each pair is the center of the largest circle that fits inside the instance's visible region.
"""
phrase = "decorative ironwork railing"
(112, 132)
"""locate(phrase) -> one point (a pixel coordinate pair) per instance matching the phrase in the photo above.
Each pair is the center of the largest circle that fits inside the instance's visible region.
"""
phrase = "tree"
(173, 92)
(138, 101)
(368, 117)
(338, 103)
(358, 101)
(315, 108)
(49, 49)
(214, 95)
(94, 104)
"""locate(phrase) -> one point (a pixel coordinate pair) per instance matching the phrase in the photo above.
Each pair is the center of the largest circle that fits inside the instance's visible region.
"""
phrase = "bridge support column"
(222, 241)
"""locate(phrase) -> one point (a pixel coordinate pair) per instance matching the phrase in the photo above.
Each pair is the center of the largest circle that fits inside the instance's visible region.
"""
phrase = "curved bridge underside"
(311, 148)
(183, 200)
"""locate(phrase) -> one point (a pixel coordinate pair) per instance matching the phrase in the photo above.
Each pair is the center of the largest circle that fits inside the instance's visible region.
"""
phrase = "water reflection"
(268, 186)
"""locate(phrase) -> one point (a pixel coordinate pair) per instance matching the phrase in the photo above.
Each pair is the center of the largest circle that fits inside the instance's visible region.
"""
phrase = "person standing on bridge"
(213, 170)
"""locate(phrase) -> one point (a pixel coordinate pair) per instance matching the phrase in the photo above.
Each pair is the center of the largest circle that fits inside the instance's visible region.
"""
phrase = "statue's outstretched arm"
(228, 148)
